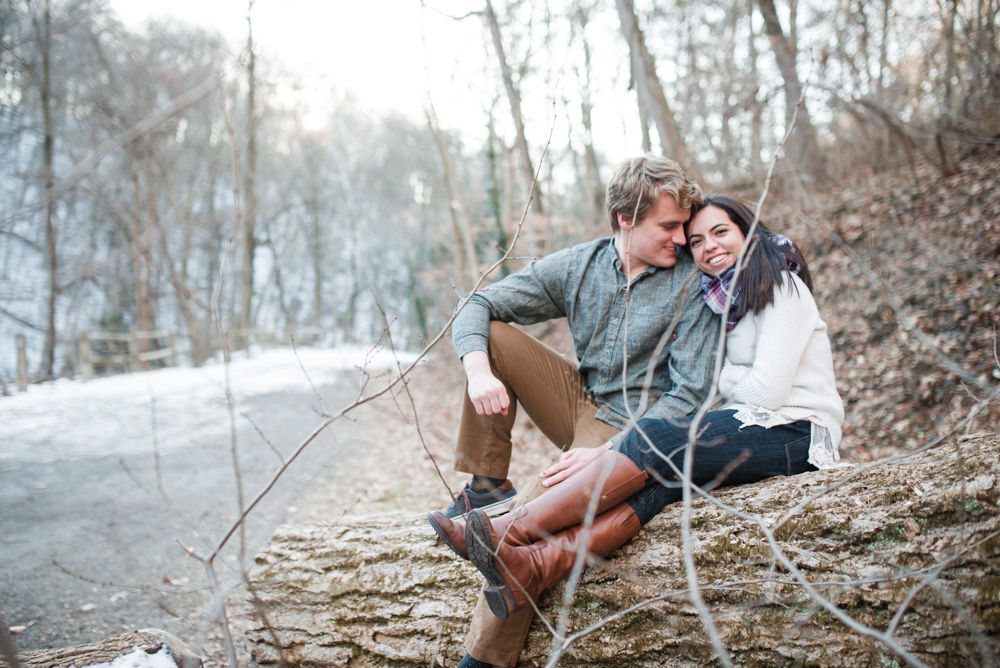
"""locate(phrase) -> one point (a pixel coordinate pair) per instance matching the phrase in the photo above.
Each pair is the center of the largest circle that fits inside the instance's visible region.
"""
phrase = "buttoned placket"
(620, 322)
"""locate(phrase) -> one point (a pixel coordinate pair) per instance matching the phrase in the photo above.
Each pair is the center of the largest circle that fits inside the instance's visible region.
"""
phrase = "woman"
(783, 417)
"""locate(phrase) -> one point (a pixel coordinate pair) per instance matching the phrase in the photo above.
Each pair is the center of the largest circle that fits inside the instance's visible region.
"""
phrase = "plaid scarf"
(716, 287)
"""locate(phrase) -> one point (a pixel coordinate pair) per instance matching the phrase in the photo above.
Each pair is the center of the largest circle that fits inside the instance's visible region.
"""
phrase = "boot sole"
(479, 543)
(444, 537)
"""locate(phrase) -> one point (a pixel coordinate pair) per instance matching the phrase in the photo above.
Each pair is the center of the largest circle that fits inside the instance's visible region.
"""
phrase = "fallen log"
(378, 592)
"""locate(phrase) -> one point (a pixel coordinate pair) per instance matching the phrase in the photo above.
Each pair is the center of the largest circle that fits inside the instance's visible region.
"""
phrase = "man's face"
(655, 239)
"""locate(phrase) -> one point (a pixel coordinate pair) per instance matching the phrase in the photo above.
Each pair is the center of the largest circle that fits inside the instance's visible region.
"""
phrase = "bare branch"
(260, 433)
(306, 374)
(476, 12)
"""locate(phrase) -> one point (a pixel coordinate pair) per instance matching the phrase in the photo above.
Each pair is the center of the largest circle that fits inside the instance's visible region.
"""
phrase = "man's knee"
(502, 335)
(509, 347)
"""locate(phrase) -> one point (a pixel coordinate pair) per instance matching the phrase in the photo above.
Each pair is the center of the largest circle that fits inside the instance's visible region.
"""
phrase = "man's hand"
(570, 462)
(487, 393)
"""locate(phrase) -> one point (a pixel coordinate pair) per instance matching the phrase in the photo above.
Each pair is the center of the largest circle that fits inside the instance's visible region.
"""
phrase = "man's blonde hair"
(638, 183)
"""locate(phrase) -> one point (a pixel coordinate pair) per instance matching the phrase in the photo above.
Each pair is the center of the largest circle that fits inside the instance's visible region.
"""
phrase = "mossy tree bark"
(378, 592)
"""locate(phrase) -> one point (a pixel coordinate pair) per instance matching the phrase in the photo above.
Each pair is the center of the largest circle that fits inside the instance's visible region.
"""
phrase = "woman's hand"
(570, 462)
(487, 393)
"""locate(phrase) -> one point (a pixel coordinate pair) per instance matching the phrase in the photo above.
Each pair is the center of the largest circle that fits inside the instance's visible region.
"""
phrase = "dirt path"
(89, 554)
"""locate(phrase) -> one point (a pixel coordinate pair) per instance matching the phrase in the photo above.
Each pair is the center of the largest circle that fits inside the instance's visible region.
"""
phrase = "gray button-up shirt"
(586, 285)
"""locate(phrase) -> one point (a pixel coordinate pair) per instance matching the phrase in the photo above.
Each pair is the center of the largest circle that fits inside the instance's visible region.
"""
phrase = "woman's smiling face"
(714, 240)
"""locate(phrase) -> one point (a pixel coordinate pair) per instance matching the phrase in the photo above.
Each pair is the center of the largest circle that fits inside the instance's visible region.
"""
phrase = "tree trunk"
(494, 192)
(142, 216)
(51, 258)
(757, 105)
(649, 89)
(318, 261)
(377, 591)
(514, 95)
(593, 183)
(461, 220)
(250, 182)
(146, 298)
(643, 105)
(190, 321)
(883, 53)
(948, 166)
(806, 148)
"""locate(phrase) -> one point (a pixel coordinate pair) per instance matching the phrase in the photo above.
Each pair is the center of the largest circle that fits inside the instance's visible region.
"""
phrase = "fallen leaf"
(912, 528)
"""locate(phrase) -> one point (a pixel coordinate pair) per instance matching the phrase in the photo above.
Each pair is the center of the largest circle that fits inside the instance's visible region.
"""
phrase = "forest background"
(154, 178)
(165, 177)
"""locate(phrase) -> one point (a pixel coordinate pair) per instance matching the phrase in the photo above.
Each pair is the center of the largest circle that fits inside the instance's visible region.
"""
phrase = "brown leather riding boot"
(561, 506)
(565, 504)
(516, 574)
(453, 533)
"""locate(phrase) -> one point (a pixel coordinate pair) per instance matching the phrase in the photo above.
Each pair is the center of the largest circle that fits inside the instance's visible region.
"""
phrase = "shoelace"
(464, 498)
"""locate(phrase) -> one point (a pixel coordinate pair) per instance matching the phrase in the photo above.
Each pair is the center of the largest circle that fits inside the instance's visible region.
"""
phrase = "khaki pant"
(554, 395)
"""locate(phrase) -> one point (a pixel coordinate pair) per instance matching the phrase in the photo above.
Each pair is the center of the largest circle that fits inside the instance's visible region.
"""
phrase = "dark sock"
(481, 483)
(468, 662)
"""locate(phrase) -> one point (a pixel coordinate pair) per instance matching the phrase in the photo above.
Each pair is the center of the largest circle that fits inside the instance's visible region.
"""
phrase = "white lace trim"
(822, 453)
(757, 416)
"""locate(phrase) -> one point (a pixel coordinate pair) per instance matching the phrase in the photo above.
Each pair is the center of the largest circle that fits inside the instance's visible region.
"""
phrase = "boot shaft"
(566, 504)
(530, 570)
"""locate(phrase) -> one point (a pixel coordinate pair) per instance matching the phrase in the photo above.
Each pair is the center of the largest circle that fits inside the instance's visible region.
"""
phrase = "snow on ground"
(70, 418)
(137, 658)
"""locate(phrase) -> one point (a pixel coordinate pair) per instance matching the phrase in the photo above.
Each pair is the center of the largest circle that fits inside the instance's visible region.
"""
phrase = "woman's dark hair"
(764, 262)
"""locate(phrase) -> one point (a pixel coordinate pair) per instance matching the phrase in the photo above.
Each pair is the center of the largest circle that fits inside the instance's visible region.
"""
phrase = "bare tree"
(48, 172)
(494, 150)
(807, 153)
(650, 91)
(949, 12)
(514, 97)
(458, 207)
(593, 185)
(249, 246)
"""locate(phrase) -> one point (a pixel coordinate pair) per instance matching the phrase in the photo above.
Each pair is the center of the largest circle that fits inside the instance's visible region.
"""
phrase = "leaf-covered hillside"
(935, 242)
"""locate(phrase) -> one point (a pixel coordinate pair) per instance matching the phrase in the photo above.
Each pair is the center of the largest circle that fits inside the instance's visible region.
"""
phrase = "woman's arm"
(783, 332)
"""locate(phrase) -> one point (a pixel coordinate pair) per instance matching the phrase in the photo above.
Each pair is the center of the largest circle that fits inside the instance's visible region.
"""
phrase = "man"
(618, 296)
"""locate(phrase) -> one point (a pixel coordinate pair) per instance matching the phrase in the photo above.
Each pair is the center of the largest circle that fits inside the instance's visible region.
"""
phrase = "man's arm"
(533, 295)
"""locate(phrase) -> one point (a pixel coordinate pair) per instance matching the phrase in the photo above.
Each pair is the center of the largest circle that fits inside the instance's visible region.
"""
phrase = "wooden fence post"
(133, 353)
(86, 359)
(22, 363)
(172, 342)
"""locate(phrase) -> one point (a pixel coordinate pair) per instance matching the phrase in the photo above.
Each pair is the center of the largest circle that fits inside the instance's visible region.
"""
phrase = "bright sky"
(375, 49)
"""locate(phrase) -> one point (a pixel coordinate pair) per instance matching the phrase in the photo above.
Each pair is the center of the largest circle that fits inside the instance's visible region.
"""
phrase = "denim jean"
(742, 455)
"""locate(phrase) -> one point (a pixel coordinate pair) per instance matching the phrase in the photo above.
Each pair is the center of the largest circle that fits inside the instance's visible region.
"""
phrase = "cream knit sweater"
(780, 359)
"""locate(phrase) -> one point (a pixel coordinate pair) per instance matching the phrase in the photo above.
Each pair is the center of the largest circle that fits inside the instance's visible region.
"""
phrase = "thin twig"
(263, 437)
(306, 374)
(409, 395)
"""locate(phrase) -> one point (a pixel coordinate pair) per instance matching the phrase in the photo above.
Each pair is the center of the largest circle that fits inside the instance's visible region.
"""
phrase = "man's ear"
(624, 222)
